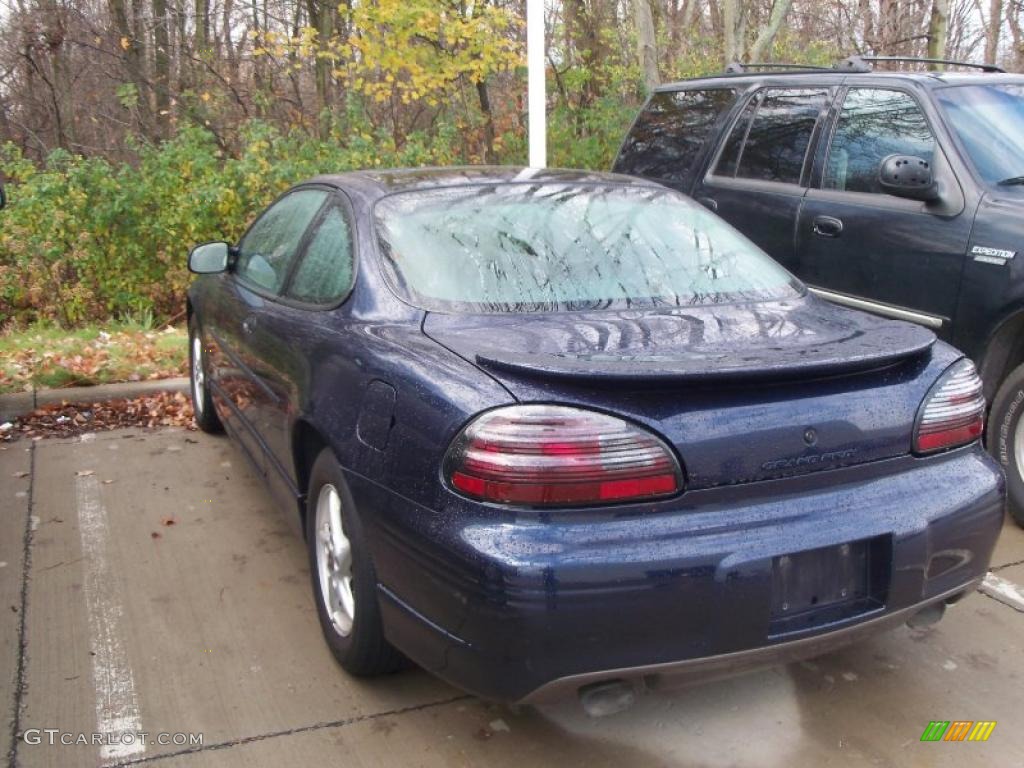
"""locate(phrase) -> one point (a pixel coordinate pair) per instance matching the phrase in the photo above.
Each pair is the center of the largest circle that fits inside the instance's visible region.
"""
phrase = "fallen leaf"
(21, 474)
(85, 472)
(170, 409)
(167, 521)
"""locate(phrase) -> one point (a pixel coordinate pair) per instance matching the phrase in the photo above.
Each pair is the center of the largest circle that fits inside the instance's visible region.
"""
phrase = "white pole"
(536, 102)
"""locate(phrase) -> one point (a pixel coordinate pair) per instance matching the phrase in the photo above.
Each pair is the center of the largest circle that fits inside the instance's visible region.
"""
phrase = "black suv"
(900, 193)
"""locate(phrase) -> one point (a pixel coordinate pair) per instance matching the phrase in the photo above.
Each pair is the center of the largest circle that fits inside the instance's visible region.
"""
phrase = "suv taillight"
(953, 412)
(550, 455)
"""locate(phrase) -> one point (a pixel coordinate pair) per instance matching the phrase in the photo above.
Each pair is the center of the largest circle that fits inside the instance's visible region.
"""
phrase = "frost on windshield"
(557, 247)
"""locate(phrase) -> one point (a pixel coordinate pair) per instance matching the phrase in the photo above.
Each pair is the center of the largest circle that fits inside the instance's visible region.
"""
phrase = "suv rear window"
(770, 140)
(670, 132)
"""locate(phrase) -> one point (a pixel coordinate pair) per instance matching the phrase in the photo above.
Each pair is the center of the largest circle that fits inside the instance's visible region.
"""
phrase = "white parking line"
(1003, 590)
(117, 706)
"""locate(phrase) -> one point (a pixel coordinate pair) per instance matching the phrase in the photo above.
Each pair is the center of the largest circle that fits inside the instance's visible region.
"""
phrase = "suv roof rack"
(738, 68)
(858, 63)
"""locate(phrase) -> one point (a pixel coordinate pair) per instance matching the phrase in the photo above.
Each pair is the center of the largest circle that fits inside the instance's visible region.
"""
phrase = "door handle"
(826, 226)
(708, 202)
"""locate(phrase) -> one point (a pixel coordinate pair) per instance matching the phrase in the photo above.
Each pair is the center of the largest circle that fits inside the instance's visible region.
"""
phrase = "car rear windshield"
(521, 247)
(989, 120)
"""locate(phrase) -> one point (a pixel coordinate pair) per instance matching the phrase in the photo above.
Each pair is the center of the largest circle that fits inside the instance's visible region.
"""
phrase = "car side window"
(770, 140)
(670, 132)
(873, 124)
(325, 273)
(268, 248)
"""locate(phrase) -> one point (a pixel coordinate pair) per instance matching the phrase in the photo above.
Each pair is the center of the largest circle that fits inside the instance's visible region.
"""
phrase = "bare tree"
(763, 43)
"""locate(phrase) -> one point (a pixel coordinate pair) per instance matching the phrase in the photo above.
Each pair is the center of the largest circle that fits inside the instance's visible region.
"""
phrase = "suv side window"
(268, 248)
(874, 123)
(770, 140)
(325, 273)
(670, 132)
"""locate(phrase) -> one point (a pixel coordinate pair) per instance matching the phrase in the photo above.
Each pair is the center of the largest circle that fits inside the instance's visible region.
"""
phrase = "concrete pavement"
(164, 593)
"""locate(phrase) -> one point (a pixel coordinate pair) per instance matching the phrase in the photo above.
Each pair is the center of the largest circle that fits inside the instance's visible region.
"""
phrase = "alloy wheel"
(334, 561)
(198, 375)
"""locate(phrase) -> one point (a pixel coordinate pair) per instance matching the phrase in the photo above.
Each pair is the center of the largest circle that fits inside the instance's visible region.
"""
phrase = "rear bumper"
(520, 609)
(706, 668)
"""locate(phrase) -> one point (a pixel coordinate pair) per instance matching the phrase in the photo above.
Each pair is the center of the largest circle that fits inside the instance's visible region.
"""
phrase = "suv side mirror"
(908, 176)
(209, 258)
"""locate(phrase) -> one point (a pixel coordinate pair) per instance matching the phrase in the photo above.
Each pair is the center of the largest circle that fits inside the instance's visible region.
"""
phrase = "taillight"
(953, 412)
(549, 455)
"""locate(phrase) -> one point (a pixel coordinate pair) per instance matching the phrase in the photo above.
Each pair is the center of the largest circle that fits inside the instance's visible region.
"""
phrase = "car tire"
(340, 566)
(1005, 439)
(202, 403)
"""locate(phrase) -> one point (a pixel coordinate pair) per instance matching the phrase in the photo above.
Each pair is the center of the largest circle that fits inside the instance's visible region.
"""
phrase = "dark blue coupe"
(554, 430)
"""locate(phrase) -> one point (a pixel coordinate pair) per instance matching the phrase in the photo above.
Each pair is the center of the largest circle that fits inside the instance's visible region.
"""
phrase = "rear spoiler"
(887, 346)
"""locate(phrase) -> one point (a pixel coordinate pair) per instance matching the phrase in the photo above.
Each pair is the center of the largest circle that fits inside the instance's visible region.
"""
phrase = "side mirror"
(209, 258)
(908, 176)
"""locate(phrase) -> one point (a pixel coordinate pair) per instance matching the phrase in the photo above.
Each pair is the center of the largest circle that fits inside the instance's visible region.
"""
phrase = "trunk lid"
(743, 391)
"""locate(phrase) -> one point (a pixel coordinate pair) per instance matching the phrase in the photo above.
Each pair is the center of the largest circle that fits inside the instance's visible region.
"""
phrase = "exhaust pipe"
(608, 697)
(927, 616)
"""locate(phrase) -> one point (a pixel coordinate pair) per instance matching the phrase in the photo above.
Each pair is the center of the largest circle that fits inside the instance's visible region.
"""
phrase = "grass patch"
(47, 356)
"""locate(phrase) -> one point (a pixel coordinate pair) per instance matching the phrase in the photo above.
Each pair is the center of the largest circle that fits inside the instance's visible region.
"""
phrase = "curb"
(21, 403)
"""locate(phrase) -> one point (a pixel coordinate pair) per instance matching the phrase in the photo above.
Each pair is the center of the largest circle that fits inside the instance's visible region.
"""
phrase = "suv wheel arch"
(1003, 352)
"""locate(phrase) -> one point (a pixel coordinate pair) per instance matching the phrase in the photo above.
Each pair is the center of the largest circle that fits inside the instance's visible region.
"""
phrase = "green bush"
(83, 240)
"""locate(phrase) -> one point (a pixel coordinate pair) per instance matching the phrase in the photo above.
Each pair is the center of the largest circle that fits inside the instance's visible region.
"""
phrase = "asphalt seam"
(289, 732)
(1006, 565)
(21, 684)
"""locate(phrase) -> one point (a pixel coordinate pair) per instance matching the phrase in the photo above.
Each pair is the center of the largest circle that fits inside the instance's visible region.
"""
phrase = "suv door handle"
(708, 202)
(826, 226)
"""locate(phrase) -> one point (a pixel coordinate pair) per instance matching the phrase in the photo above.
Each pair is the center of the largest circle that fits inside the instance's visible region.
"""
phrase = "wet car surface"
(559, 430)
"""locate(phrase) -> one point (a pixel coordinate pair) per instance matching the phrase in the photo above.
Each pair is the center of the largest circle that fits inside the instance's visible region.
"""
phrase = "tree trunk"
(228, 46)
(938, 30)
(646, 43)
(184, 50)
(763, 44)
(741, 37)
(134, 60)
(161, 66)
(715, 16)
(995, 17)
(730, 14)
(202, 27)
(867, 15)
(485, 107)
(63, 105)
(888, 27)
(323, 17)
(583, 25)
(1013, 19)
